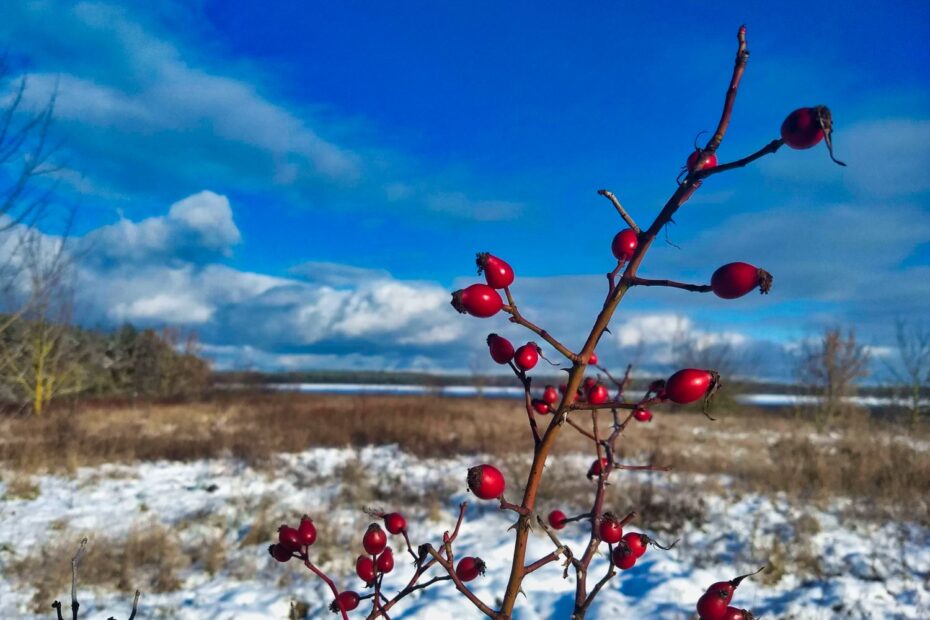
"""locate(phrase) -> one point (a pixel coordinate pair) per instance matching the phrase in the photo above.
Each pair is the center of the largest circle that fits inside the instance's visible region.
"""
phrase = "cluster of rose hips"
(714, 604)
(379, 558)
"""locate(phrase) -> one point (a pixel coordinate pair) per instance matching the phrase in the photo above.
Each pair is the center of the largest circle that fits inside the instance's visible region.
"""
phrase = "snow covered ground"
(866, 570)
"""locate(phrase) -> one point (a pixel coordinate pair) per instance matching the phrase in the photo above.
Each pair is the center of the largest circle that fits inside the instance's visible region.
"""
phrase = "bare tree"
(911, 369)
(830, 368)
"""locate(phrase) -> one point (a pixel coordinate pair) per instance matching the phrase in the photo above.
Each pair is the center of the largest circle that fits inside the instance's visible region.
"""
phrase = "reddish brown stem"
(332, 586)
(552, 557)
(517, 508)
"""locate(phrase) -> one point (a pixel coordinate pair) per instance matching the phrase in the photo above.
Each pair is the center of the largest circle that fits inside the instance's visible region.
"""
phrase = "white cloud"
(199, 224)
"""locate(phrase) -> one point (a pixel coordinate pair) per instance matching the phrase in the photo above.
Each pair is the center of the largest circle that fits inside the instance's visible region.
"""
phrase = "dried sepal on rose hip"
(734, 280)
(478, 300)
(497, 272)
(470, 568)
(486, 481)
(346, 601)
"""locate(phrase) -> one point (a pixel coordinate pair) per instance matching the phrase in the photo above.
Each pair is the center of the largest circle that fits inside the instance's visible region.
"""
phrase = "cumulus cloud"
(198, 226)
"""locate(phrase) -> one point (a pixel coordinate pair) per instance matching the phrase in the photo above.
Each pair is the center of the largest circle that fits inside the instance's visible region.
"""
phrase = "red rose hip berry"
(469, 568)
(289, 537)
(478, 300)
(385, 561)
(526, 356)
(598, 394)
(346, 601)
(636, 542)
(642, 415)
(707, 162)
(306, 531)
(486, 481)
(395, 522)
(496, 271)
(540, 406)
(374, 540)
(365, 569)
(690, 385)
(732, 613)
(557, 519)
(622, 557)
(737, 279)
(597, 467)
(500, 348)
(610, 529)
(550, 395)
(802, 128)
(624, 244)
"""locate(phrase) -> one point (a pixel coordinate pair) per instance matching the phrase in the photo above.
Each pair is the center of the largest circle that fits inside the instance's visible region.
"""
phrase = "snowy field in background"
(869, 570)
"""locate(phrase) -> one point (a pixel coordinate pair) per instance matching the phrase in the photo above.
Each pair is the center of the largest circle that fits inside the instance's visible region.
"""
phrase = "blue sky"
(302, 183)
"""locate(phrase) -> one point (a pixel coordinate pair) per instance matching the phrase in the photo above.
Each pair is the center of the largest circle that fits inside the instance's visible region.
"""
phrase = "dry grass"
(865, 460)
(148, 558)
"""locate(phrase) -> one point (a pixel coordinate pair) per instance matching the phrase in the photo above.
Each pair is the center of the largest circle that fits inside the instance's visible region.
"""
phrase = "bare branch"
(616, 203)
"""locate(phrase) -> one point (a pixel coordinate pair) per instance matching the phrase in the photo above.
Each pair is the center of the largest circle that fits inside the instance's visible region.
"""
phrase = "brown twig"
(519, 319)
(611, 404)
(771, 147)
(739, 66)
(528, 398)
(626, 216)
(694, 288)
